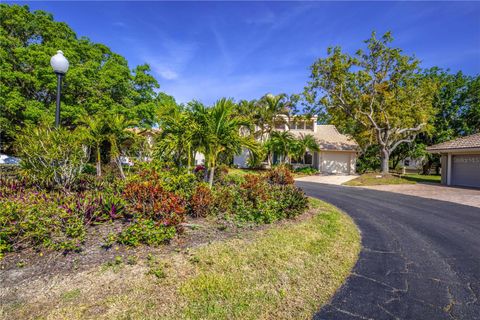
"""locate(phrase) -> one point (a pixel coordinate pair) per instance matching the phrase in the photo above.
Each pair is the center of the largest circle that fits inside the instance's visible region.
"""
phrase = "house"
(338, 152)
(460, 161)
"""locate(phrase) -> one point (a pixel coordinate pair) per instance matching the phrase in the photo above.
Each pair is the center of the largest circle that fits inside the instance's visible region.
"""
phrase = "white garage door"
(334, 162)
(466, 170)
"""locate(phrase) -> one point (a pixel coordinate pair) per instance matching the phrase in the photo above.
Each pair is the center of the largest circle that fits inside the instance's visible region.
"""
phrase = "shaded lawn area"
(284, 271)
(423, 178)
(373, 179)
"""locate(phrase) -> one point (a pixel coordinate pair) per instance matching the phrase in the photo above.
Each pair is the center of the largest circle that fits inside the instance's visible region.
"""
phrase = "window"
(308, 158)
(309, 125)
(279, 125)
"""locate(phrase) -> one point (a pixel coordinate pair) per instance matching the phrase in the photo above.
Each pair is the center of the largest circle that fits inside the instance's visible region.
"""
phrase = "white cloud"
(167, 57)
(168, 74)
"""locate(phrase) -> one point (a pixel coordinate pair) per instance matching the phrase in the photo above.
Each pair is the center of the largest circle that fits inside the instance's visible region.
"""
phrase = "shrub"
(220, 173)
(51, 157)
(40, 219)
(146, 231)
(254, 188)
(201, 201)
(280, 175)
(292, 200)
(150, 200)
(177, 180)
(258, 200)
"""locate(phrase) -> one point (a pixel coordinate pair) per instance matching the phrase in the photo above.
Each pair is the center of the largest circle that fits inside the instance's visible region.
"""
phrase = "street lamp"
(60, 66)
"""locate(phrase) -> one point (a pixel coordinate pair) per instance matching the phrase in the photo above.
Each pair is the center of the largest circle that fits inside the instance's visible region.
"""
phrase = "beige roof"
(463, 143)
(329, 138)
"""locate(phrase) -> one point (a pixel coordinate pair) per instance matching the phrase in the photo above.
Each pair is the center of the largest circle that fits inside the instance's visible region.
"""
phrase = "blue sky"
(206, 50)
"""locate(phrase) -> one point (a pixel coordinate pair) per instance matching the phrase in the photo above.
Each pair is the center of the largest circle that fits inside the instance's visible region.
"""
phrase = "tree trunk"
(99, 163)
(384, 156)
(212, 172)
(189, 161)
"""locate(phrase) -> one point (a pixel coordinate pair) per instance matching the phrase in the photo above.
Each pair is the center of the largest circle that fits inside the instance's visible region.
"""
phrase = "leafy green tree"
(306, 142)
(94, 128)
(220, 132)
(380, 91)
(97, 82)
(280, 143)
(117, 135)
(179, 134)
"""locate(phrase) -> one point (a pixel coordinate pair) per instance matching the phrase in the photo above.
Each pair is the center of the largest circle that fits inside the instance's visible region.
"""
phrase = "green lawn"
(423, 178)
(284, 271)
(373, 179)
(242, 172)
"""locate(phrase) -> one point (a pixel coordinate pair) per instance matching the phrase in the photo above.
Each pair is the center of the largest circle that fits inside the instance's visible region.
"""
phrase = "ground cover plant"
(149, 207)
(283, 271)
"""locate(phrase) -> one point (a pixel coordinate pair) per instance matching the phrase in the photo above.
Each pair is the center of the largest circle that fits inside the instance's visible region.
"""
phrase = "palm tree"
(95, 135)
(303, 144)
(118, 135)
(220, 132)
(280, 143)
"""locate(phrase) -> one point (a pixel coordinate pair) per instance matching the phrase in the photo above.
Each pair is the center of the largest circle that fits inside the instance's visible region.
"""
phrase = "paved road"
(420, 257)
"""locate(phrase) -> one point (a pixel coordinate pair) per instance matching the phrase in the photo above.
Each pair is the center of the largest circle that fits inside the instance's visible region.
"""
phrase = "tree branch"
(417, 128)
(409, 140)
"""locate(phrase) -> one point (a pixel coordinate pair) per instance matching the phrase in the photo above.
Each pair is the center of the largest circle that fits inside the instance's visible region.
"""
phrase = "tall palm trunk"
(212, 174)
(99, 162)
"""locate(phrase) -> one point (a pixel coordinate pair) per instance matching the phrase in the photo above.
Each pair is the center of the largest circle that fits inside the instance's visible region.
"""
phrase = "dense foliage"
(148, 208)
(51, 157)
(380, 93)
(98, 82)
(389, 104)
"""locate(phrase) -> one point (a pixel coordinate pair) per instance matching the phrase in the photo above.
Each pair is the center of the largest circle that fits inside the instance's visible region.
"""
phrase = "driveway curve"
(420, 257)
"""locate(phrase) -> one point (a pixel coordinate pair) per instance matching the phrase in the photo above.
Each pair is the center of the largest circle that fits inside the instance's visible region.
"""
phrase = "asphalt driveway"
(420, 257)
(469, 197)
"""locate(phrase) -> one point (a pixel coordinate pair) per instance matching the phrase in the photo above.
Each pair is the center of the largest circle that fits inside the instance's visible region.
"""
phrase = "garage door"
(335, 162)
(466, 170)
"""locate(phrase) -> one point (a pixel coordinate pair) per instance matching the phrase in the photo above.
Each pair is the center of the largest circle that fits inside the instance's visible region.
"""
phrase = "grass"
(285, 271)
(243, 172)
(423, 178)
(373, 179)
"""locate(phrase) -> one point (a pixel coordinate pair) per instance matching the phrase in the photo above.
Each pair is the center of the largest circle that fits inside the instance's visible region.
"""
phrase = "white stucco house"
(460, 161)
(338, 152)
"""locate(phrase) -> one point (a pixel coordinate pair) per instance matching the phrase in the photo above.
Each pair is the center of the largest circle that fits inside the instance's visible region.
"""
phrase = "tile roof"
(329, 138)
(463, 143)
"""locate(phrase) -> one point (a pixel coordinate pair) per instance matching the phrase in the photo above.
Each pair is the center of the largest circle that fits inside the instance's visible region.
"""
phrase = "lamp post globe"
(60, 66)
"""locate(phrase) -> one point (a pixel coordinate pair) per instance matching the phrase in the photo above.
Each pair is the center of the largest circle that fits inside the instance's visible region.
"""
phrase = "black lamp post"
(60, 66)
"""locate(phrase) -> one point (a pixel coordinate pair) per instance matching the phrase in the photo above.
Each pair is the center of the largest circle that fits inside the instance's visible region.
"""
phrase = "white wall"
(199, 158)
(337, 162)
